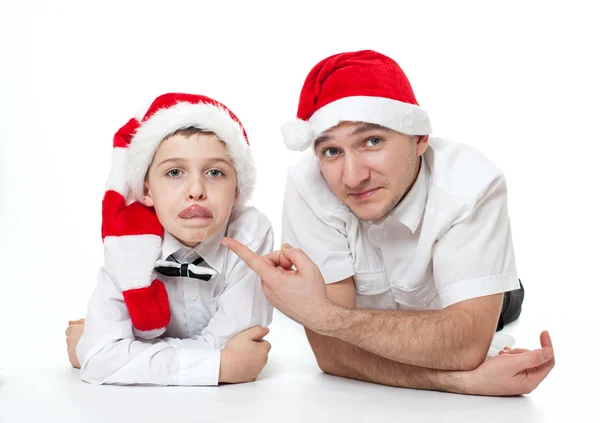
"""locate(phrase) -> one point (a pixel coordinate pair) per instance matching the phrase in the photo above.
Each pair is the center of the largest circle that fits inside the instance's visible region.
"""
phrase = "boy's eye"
(214, 173)
(330, 152)
(175, 173)
(374, 142)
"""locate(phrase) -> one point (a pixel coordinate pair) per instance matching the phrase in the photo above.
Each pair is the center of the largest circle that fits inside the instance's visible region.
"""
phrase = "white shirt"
(204, 314)
(447, 241)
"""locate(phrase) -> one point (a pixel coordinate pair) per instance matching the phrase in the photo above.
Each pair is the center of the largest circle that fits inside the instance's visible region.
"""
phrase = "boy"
(173, 306)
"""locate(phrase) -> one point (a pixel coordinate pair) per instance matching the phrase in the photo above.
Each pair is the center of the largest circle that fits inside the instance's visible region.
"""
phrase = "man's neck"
(412, 183)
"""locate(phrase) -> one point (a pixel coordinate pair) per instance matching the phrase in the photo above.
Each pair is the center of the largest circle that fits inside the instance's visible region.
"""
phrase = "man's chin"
(369, 213)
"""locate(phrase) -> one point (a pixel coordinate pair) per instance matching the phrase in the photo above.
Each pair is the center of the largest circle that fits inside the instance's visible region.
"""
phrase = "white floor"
(37, 384)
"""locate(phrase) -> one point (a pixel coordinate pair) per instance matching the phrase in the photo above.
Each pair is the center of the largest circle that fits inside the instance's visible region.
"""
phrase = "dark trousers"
(511, 306)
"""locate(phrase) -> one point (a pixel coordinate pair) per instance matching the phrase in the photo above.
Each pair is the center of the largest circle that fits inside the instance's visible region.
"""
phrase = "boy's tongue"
(194, 211)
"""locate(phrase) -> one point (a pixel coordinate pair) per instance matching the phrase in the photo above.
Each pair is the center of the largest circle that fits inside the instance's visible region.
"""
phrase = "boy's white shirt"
(204, 315)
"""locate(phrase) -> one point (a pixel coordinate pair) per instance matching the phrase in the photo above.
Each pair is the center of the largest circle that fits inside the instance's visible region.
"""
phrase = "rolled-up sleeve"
(110, 354)
(475, 256)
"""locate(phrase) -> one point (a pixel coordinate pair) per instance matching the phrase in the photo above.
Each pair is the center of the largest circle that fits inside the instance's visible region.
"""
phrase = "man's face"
(368, 167)
(191, 184)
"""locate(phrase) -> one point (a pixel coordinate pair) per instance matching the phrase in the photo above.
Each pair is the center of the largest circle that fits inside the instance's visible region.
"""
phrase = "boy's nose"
(196, 191)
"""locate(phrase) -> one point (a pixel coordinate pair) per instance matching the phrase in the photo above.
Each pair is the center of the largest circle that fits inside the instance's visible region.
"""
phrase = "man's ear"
(147, 198)
(422, 143)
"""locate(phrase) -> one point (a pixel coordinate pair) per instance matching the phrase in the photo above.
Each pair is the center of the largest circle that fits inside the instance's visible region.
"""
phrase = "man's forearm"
(450, 339)
(342, 359)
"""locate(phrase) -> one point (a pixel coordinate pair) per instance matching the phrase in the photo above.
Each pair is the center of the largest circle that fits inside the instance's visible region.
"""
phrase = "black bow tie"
(189, 270)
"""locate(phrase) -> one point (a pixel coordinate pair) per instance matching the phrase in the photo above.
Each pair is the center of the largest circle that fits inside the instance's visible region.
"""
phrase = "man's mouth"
(195, 212)
(363, 195)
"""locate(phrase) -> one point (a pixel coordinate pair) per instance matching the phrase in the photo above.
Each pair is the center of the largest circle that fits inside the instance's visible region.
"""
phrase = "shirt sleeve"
(242, 304)
(475, 257)
(318, 234)
(110, 354)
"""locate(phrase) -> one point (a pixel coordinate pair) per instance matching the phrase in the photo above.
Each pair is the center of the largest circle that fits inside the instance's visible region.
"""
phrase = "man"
(405, 265)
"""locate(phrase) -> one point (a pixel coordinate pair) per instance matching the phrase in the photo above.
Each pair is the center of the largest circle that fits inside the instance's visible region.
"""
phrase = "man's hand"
(299, 293)
(73, 333)
(244, 356)
(513, 372)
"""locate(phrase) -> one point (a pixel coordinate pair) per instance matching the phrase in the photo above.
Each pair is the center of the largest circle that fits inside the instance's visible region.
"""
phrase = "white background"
(516, 79)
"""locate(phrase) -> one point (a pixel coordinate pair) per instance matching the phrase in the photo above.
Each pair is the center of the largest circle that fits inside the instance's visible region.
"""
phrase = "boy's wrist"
(225, 375)
(223, 368)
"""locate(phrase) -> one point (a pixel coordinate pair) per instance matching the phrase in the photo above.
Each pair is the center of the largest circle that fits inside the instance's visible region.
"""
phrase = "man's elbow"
(472, 356)
(329, 364)
(326, 363)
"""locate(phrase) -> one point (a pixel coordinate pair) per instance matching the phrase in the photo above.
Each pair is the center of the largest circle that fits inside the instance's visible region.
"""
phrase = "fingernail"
(224, 241)
(284, 246)
(548, 353)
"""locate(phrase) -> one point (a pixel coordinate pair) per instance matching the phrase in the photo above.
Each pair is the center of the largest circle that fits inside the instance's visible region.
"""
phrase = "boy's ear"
(147, 198)
(236, 198)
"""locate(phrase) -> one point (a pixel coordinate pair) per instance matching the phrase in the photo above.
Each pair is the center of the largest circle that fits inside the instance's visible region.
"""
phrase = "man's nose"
(355, 170)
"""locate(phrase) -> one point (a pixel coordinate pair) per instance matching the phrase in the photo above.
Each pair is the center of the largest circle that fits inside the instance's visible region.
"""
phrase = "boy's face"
(191, 184)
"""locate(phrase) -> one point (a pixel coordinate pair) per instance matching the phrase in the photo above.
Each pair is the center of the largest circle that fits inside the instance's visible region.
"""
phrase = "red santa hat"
(131, 232)
(361, 86)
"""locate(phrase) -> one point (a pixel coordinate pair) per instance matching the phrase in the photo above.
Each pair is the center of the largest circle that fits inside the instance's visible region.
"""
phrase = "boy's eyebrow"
(219, 160)
(181, 159)
(172, 159)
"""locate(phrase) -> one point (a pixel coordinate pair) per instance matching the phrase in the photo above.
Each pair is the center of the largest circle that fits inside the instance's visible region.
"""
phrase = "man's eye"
(175, 173)
(330, 152)
(374, 142)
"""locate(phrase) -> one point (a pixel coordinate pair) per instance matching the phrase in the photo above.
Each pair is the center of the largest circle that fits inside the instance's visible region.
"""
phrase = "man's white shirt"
(447, 241)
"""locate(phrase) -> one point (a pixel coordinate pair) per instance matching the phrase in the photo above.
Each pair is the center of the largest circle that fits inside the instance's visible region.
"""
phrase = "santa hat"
(131, 232)
(361, 86)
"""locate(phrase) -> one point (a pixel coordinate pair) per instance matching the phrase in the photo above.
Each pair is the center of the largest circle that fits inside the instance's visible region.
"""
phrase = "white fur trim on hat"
(402, 117)
(298, 135)
(204, 116)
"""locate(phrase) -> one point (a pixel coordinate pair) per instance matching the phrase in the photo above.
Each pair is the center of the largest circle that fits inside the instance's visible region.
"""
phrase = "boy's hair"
(190, 131)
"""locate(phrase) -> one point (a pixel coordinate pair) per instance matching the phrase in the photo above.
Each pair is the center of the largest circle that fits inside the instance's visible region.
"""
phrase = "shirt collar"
(410, 210)
(210, 250)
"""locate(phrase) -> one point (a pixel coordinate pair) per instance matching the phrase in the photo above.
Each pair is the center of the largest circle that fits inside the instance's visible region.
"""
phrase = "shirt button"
(361, 289)
(194, 297)
(425, 299)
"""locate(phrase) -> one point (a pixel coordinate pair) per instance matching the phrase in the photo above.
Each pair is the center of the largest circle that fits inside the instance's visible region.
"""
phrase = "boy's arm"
(109, 353)
(242, 304)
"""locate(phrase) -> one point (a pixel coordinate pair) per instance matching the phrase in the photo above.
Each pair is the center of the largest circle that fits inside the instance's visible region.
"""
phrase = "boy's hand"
(244, 356)
(74, 332)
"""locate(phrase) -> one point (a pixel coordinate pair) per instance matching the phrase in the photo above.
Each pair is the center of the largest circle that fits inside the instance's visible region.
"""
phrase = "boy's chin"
(191, 238)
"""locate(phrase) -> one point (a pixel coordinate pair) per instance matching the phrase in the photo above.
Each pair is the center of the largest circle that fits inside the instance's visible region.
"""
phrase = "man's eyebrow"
(323, 138)
(366, 127)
